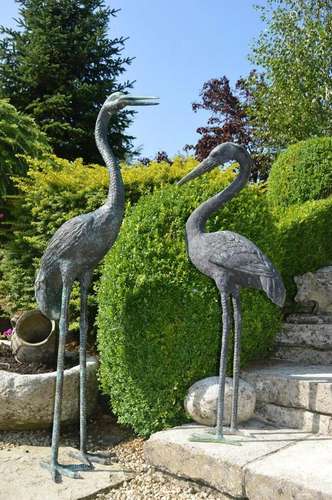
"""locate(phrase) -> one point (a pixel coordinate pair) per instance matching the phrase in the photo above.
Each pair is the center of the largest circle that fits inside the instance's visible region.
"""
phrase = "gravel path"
(150, 484)
(105, 434)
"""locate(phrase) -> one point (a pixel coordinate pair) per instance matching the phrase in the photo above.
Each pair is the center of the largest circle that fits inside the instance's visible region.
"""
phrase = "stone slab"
(23, 478)
(307, 319)
(296, 418)
(303, 355)
(318, 335)
(221, 466)
(299, 472)
(296, 386)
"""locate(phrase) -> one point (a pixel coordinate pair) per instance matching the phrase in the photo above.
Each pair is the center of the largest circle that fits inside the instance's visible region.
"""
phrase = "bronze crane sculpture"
(72, 254)
(233, 262)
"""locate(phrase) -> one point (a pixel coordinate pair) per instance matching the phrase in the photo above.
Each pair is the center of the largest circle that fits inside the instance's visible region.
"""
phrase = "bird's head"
(119, 100)
(223, 153)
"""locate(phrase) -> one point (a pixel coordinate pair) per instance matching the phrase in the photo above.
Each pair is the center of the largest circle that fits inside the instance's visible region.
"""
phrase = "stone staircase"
(286, 451)
(295, 389)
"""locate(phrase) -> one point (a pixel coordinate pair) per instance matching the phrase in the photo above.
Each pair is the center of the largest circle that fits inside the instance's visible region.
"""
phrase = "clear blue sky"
(178, 45)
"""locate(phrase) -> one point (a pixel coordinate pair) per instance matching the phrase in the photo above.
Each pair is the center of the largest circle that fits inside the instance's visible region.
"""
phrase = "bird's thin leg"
(84, 284)
(236, 359)
(223, 362)
(83, 455)
(57, 469)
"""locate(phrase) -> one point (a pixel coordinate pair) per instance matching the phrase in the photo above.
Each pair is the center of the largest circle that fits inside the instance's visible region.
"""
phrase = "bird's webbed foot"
(58, 470)
(89, 458)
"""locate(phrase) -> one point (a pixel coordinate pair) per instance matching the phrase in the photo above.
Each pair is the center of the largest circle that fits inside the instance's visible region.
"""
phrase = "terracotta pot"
(34, 339)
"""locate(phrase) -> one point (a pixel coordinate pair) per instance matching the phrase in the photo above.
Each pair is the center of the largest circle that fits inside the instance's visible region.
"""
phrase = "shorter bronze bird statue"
(233, 262)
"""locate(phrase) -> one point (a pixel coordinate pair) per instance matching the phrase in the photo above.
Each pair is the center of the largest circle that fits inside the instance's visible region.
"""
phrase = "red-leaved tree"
(230, 120)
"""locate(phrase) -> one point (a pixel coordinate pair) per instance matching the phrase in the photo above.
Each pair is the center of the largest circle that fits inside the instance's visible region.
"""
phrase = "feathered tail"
(274, 288)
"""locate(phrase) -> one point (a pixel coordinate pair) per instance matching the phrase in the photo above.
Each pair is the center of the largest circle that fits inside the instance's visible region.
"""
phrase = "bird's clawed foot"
(235, 430)
(89, 458)
(57, 470)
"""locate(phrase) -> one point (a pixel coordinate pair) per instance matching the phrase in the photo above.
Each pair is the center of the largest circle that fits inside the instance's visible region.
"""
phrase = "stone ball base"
(27, 401)
(201, 401)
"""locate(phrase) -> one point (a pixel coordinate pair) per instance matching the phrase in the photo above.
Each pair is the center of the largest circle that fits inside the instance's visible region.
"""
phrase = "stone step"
(309, 319)
(293, 385)
(23, 478)
(267, 464)
(296, 418)
(318, 336)
(302, 355)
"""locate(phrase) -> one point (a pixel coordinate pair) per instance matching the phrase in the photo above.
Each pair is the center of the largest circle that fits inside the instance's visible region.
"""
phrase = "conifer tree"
(59, 65)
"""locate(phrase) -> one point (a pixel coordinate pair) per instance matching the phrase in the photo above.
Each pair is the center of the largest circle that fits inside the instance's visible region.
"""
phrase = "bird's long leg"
(83, 455)
(223, 362)
(57, 469)
(236, 360)
(84, 284)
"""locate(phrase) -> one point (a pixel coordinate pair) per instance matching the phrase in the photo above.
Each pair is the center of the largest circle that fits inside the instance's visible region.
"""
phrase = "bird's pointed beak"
(201, 169)
(141, 101)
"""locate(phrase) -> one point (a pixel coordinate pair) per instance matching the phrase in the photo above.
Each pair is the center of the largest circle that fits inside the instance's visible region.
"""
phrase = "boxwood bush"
(301, 173)
(304, 240)
(159, 317)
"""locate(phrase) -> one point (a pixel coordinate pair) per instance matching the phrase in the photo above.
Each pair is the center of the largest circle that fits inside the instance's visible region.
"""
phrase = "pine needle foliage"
(19, 135)
(59, 66)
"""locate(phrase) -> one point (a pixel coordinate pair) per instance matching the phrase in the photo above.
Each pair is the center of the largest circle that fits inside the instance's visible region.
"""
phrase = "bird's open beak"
(141, 101)
(202, 168)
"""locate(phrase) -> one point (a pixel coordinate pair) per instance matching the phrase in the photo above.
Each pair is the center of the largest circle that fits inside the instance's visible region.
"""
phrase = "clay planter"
(34, 339)
(26, 401)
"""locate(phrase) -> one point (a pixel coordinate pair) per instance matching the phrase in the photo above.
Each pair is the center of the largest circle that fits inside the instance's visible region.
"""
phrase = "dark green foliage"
(159, 317)
(303, 172)
(304, 239)
(59, 66)
(18, 135)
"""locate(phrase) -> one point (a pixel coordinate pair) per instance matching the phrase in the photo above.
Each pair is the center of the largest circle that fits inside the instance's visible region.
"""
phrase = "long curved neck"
(197, 220)
(116, 195)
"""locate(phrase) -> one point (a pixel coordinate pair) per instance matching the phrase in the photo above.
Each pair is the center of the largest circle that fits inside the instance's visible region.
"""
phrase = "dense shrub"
(159, 317)
(302, 173)
(304, 241)
(18, 135)
(53, 191)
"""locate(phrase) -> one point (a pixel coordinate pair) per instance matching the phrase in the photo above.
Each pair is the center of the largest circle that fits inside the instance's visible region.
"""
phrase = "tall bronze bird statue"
(72, 254)
(232, 261)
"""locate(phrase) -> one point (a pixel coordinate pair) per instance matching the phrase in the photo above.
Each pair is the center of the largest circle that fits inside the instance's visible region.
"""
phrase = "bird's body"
(231, 260)
(72, 254)
(228, 256)
(79, 244)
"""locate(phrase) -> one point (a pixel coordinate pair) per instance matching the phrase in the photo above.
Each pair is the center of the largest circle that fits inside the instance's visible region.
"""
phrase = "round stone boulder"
(201, 401)
(27, 401)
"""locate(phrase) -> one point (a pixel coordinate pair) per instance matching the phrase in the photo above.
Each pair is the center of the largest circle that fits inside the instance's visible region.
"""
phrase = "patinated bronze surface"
(232, 261)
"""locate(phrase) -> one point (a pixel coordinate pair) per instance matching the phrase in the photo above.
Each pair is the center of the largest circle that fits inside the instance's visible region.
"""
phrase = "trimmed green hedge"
(304, 241)
(302, 173)
(159, 317)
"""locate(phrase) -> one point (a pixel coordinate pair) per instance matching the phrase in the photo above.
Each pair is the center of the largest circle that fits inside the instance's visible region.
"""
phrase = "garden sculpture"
(72, 254)
(233, 262)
